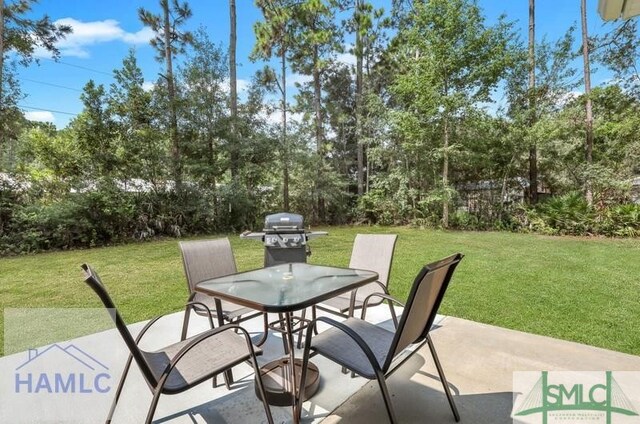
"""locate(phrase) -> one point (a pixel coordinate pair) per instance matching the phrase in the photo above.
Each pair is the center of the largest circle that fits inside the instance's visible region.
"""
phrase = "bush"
(571, 215)
(464, 221)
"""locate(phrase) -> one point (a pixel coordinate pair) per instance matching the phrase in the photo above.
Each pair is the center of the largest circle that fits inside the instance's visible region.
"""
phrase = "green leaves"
(166, 26)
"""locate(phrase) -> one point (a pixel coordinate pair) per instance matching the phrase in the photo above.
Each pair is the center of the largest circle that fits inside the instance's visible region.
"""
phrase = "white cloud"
(87, 34)
(148, 85)
(346, 58)
(141, 37)
(568, 97)
(241, 84)
(275, 117)
(40, 116)
(301, 79)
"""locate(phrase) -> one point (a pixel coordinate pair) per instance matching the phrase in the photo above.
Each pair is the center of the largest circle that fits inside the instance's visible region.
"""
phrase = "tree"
(140, 149)
(619, 50)
(588, 144)
(533, 152)
(274, 37)
(316, 38)
(94, 131)
(21, 34)
(205, 112)
(360, 27)
(450, 62)
(12, 121)
(233, 88)
(169, 42)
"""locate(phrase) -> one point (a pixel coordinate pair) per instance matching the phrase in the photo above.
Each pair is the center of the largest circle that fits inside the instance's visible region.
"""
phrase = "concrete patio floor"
(479, 361)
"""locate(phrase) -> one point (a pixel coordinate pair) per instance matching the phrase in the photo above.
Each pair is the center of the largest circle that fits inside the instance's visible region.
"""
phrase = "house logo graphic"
(574, 397)
(57, 370)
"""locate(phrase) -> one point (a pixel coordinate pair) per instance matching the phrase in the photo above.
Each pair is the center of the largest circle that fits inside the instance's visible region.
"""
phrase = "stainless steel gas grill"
(284, 238)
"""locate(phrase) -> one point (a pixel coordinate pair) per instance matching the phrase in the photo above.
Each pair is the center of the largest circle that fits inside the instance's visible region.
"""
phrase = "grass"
(579, 289)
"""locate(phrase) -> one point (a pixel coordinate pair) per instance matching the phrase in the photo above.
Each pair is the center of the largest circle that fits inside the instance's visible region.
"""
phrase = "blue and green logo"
(604, 396)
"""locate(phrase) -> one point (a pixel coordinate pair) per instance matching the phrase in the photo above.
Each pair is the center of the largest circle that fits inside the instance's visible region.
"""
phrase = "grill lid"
(283, 221)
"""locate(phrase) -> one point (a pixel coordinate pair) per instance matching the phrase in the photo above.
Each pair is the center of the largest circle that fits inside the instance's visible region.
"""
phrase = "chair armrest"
(354, 336)
(354, 294)
(386, 296)
(154, 320)
(200, 338)
(147, 326)
(192, 304)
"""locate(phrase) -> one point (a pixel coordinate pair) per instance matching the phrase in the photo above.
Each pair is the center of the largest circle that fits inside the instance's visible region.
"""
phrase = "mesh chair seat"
(337, 346)
(230, 349)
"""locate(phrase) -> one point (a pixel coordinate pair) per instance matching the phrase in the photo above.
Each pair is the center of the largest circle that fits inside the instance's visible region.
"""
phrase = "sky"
(104, 31)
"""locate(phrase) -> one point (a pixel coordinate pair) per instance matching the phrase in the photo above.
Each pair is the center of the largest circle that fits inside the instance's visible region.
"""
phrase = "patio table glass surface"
(286, 287)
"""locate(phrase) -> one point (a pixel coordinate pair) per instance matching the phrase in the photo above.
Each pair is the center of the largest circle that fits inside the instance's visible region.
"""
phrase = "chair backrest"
(93, 280)
(205, 259)
(374, 252)
(422, 306)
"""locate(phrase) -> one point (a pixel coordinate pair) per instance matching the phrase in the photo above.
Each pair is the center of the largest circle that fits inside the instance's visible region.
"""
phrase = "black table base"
(276, 379)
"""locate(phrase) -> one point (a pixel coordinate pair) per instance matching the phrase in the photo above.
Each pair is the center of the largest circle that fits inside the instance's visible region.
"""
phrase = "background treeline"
(442, 119)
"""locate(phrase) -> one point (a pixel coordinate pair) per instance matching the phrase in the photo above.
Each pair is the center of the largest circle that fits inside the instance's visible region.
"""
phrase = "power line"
(52, 85)
(47, 110)
(80, 67)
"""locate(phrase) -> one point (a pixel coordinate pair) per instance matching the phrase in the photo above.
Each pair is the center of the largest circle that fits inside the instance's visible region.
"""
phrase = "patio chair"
(373, 252)
(183, 365)
(374, 352)
(205, 259)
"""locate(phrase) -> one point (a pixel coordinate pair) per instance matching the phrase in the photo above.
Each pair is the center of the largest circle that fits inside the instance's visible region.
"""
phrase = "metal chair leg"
(154, 405)
(125, 372)
(314, 314)
(443, 379)
(263, 339)
(386, 397)
(185, 323)
(393, 314)
(261, 390)
(303, 315)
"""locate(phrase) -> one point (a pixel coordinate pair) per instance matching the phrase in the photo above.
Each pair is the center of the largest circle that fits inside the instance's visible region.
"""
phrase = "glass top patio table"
(286, 287)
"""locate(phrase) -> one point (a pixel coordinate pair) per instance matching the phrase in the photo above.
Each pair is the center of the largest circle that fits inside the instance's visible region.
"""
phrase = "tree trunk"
(175, 143)
(285, 142)
(211, 160)
(233, 89)
(317, 99)
(317, 106)
(445, 173)
(1, 50)
(358, 51)
(1, 77)
(533, 149)
(588, 147)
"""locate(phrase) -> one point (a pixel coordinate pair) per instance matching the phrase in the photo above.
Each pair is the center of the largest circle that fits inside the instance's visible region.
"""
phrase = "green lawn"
(585, 290)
